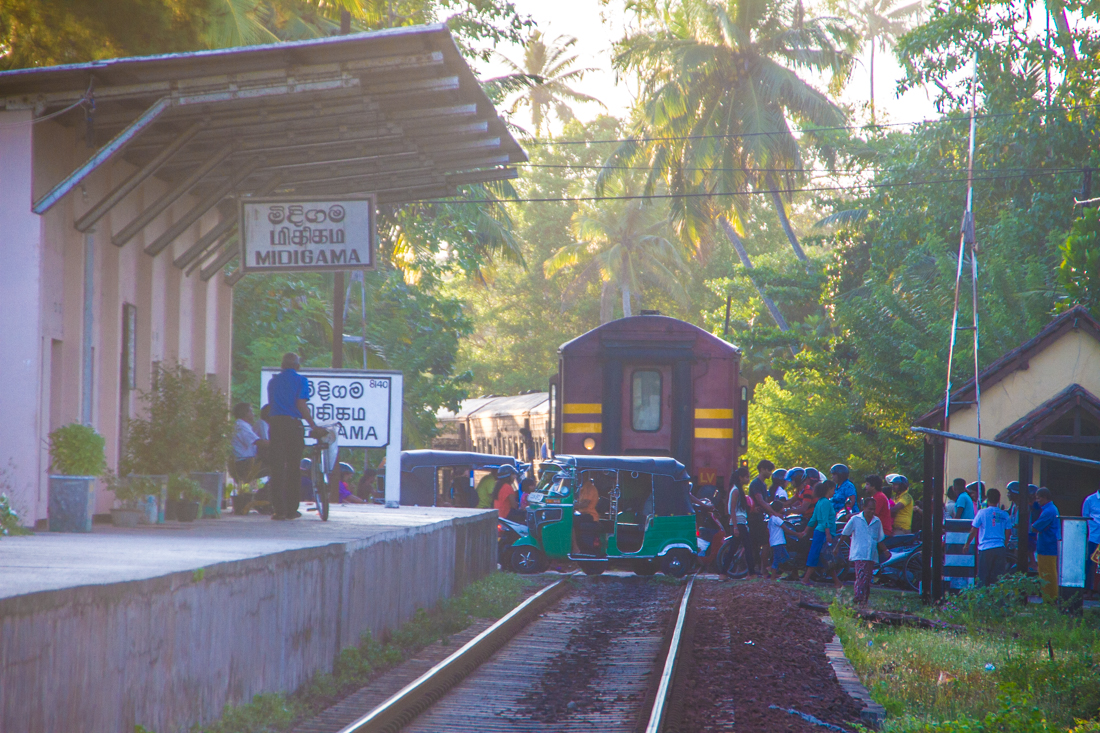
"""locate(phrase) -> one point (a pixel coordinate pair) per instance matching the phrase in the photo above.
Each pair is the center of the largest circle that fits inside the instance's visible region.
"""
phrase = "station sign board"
(280, 234)
(359, 400)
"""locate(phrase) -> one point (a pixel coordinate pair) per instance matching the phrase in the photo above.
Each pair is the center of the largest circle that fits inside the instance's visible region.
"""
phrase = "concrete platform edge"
(173, 650)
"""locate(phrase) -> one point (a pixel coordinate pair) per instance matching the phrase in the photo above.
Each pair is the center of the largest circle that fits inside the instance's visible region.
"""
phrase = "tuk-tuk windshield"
(554, 484)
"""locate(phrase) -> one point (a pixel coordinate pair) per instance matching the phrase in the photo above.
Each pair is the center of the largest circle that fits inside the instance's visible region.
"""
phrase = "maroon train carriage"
(650, 385)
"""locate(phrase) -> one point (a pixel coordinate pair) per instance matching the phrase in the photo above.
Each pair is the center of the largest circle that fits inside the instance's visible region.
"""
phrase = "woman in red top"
(505, 500)
(872, 487)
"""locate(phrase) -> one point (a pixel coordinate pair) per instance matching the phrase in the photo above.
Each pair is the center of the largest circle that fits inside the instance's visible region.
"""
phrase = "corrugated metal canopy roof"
(397, 113)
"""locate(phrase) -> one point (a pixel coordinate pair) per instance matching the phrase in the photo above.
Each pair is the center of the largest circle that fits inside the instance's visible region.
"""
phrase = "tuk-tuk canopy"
(656, 465)
(414, 459)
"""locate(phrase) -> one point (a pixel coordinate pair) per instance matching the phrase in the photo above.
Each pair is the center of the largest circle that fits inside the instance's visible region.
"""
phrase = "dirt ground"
(753, 647)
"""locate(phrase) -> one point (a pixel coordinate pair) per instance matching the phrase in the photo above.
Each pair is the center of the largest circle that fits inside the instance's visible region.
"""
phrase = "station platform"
(164, 625)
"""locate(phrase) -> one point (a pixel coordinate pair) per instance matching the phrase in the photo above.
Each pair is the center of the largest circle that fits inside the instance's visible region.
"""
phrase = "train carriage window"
(645, 388)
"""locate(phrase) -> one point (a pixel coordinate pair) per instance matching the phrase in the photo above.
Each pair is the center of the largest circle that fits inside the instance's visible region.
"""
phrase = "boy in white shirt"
(867, 543)
(991, 526)
(777, 539)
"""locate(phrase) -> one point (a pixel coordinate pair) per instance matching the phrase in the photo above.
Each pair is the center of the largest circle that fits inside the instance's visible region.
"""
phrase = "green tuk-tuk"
(643, 519)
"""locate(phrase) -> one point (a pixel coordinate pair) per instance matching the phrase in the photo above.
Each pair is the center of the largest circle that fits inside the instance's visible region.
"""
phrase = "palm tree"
(552, 69)
(623, 244)
(720, 88)
(879, 23)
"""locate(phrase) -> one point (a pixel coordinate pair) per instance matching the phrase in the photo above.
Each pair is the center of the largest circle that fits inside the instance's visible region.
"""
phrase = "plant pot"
(213, 483)
(171, 510)
(71, 503)
(187, 511)
(126, 517)
(160, 503)
(241, 502)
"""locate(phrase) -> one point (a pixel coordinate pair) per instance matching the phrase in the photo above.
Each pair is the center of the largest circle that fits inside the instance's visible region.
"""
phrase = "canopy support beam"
(208, 202)
(108, 151)
(170, 197)
(109, 201)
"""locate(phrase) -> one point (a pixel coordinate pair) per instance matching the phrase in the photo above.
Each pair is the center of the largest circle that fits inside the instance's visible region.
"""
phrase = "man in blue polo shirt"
(287, 393)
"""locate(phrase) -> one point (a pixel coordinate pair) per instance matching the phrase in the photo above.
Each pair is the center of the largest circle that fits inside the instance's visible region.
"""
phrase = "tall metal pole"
(338, 277)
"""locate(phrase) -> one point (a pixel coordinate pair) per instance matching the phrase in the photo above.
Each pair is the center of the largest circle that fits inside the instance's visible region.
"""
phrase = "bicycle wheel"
(320, 492)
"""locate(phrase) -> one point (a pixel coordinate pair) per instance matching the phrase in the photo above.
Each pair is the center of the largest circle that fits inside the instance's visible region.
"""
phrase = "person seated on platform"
(347, 473)
(586, 518)
(991, 528)
(246, 466)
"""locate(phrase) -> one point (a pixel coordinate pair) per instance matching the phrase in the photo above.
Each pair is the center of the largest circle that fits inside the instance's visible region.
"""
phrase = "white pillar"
(21, 428)
(393, 449)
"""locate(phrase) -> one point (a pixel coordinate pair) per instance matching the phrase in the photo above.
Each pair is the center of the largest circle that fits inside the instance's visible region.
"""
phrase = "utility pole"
(338, 277)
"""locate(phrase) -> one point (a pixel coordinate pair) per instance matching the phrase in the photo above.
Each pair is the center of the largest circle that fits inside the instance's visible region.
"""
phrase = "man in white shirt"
(1090, 510)
(244, 443)
(867, 543)
(991, 526)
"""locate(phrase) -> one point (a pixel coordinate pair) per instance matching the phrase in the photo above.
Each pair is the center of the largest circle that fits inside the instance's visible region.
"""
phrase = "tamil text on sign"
(334, 234)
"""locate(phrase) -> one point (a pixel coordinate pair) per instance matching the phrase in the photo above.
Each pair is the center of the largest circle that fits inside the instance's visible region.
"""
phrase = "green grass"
(490, 598)
(998, 673)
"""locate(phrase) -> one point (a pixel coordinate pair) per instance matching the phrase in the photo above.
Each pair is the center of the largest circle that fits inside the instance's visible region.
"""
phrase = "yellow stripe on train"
(713, 414)
(581, 427)
(582, 408)
(722, 433)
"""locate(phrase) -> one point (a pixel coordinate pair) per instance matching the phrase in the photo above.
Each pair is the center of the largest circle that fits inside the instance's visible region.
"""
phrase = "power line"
(581, 166)
(819, 189)
(812, 130)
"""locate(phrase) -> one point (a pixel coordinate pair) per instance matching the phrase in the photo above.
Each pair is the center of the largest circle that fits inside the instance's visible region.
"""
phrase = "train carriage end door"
(647, 410)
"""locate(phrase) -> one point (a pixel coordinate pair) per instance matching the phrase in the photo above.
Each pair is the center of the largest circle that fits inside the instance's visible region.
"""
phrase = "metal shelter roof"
(397, 113)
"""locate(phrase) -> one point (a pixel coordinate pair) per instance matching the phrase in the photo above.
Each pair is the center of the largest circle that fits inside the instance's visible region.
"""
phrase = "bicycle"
(323, 457)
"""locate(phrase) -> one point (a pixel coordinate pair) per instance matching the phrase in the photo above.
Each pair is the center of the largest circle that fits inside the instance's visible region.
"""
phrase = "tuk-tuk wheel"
(645, 567)
(528, 560)
(593, 568)
(677, 563)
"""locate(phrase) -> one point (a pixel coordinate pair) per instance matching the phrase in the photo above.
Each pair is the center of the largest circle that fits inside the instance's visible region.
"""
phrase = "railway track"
(599, 656)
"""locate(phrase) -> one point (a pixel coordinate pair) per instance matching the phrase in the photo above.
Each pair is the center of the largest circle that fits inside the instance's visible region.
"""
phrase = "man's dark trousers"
(286, 448)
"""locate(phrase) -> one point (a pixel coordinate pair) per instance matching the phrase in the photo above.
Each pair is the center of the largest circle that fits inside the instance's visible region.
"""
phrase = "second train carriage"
(650, 385)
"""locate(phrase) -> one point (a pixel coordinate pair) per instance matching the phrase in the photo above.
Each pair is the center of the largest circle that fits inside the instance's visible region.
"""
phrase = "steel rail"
(664, 688)
(421, 693)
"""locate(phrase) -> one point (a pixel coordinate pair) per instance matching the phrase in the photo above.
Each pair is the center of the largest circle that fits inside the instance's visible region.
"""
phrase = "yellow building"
(1042, 394)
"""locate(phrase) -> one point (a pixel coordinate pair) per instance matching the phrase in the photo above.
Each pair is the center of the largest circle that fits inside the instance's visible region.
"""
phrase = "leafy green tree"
(1079, 272)
(879, 24)
(552, 69)
(622, 244)
(720, 90)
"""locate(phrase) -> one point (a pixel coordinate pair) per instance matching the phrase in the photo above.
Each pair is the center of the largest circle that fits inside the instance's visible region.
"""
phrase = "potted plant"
(130, 495)
(191, 497)
(77, 459)
(213, 425)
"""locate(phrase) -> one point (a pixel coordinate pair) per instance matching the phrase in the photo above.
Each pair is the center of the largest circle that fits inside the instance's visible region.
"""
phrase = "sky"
(597, 25)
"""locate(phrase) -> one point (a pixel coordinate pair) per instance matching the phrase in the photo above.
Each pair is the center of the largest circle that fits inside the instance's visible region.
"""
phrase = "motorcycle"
(508, 532)
(903, 567)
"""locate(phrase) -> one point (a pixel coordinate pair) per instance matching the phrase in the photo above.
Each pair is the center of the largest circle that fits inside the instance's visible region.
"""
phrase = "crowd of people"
(758, 513)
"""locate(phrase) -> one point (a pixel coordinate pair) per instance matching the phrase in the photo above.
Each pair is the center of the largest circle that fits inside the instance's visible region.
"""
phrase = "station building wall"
(1072, 359)
(42, 296)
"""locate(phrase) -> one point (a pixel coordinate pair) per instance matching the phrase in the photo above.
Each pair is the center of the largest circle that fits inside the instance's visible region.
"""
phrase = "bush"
(187, 427)
(9, 518)
(77, 450)
(184, 488)
(992, 602)
(1015, 714)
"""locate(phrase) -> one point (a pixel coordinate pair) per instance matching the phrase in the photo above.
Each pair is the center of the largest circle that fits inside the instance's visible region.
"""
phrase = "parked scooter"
(507, 534)
(903, 567)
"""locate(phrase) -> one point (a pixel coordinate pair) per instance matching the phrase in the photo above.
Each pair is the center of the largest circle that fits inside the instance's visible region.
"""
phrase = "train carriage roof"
(644, 332)
(414, 459)
(657, 465)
